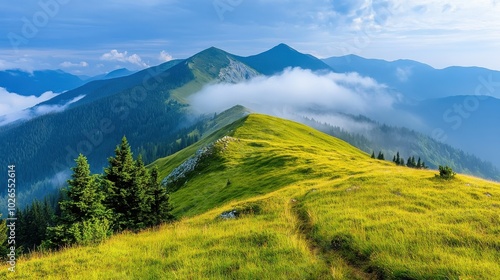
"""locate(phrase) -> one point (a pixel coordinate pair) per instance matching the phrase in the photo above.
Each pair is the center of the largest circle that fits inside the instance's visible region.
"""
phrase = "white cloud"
(13, 102)
(115, 55)
(9, 116)
(164, 56)
(68, 64)
(298, 91)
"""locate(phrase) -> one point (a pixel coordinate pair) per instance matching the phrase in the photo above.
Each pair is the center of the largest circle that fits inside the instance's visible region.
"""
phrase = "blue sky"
(91, 37)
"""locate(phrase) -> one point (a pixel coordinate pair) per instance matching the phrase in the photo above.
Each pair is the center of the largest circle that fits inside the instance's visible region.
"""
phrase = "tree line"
(398, 160)
(127, 196)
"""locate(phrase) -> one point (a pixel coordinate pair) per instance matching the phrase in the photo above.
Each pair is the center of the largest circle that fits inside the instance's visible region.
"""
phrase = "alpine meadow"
(250, 140)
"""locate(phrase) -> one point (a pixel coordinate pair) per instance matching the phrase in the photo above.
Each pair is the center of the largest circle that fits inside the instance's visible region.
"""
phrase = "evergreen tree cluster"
(379, 157)
(410, 162)
(398, 160)
(126, 197)
(32, 223)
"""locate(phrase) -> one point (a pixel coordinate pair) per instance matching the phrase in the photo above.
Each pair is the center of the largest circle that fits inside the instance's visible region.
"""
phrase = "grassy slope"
(205, 67)
(306, 189)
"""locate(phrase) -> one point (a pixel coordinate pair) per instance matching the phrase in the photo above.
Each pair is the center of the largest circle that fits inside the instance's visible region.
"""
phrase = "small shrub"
(445, 172)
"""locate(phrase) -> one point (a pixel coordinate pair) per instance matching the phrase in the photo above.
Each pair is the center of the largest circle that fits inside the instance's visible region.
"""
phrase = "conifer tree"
(118, 184)
(84, 197)
(394, 159)
(397, 161)
(160, 208)
(84, 218)
(380, 156)
(139, 199)
(373, 154)
(419, 163)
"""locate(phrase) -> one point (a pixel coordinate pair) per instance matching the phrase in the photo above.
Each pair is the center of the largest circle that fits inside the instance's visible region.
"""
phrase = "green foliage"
(84, 196)
(119, 182)
(134, 195)
(446, 172)
(84, 218)
(90, 231)
(33, 223)
(380, 156)
(160, 208)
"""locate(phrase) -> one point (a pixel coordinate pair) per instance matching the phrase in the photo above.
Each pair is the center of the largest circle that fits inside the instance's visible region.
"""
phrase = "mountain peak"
(283, 46)
(281, 57)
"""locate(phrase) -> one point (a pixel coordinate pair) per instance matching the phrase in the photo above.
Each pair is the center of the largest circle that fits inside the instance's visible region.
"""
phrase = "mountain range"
(456, 105)
(37, 82)
(151, 107)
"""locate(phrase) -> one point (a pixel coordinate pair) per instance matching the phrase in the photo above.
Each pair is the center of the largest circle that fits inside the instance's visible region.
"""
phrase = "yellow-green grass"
(321, 209)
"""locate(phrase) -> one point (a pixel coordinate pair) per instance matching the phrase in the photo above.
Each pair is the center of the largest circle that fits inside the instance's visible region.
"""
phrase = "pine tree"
(397, 161)
(373, 154)
(32, 224)
(139, 199)
(408, 162)
(160, 208)
(419, 163)
(394, 159)
(402, 162)
(84, 218)
(118, 184)
(85, 199)
(380, 156)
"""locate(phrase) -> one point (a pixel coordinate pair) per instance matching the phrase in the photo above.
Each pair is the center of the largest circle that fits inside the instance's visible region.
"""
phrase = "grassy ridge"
(313, 207)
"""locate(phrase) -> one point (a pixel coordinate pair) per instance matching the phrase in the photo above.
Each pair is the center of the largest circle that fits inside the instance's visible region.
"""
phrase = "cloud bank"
(34, 112)
(303, 92)
(11, 102)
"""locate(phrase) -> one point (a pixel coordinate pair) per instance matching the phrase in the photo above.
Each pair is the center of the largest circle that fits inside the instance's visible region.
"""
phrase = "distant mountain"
(282, 56)
(99, 89)
(420, 81)
(457, 105)
(466, 122)
(122, 72)
(38, 82)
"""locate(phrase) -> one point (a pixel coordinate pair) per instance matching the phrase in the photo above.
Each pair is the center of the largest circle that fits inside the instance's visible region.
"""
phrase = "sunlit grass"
(321, 209)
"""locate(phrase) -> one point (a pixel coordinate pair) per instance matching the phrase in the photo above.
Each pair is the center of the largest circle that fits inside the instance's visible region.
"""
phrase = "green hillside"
(307, 206)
